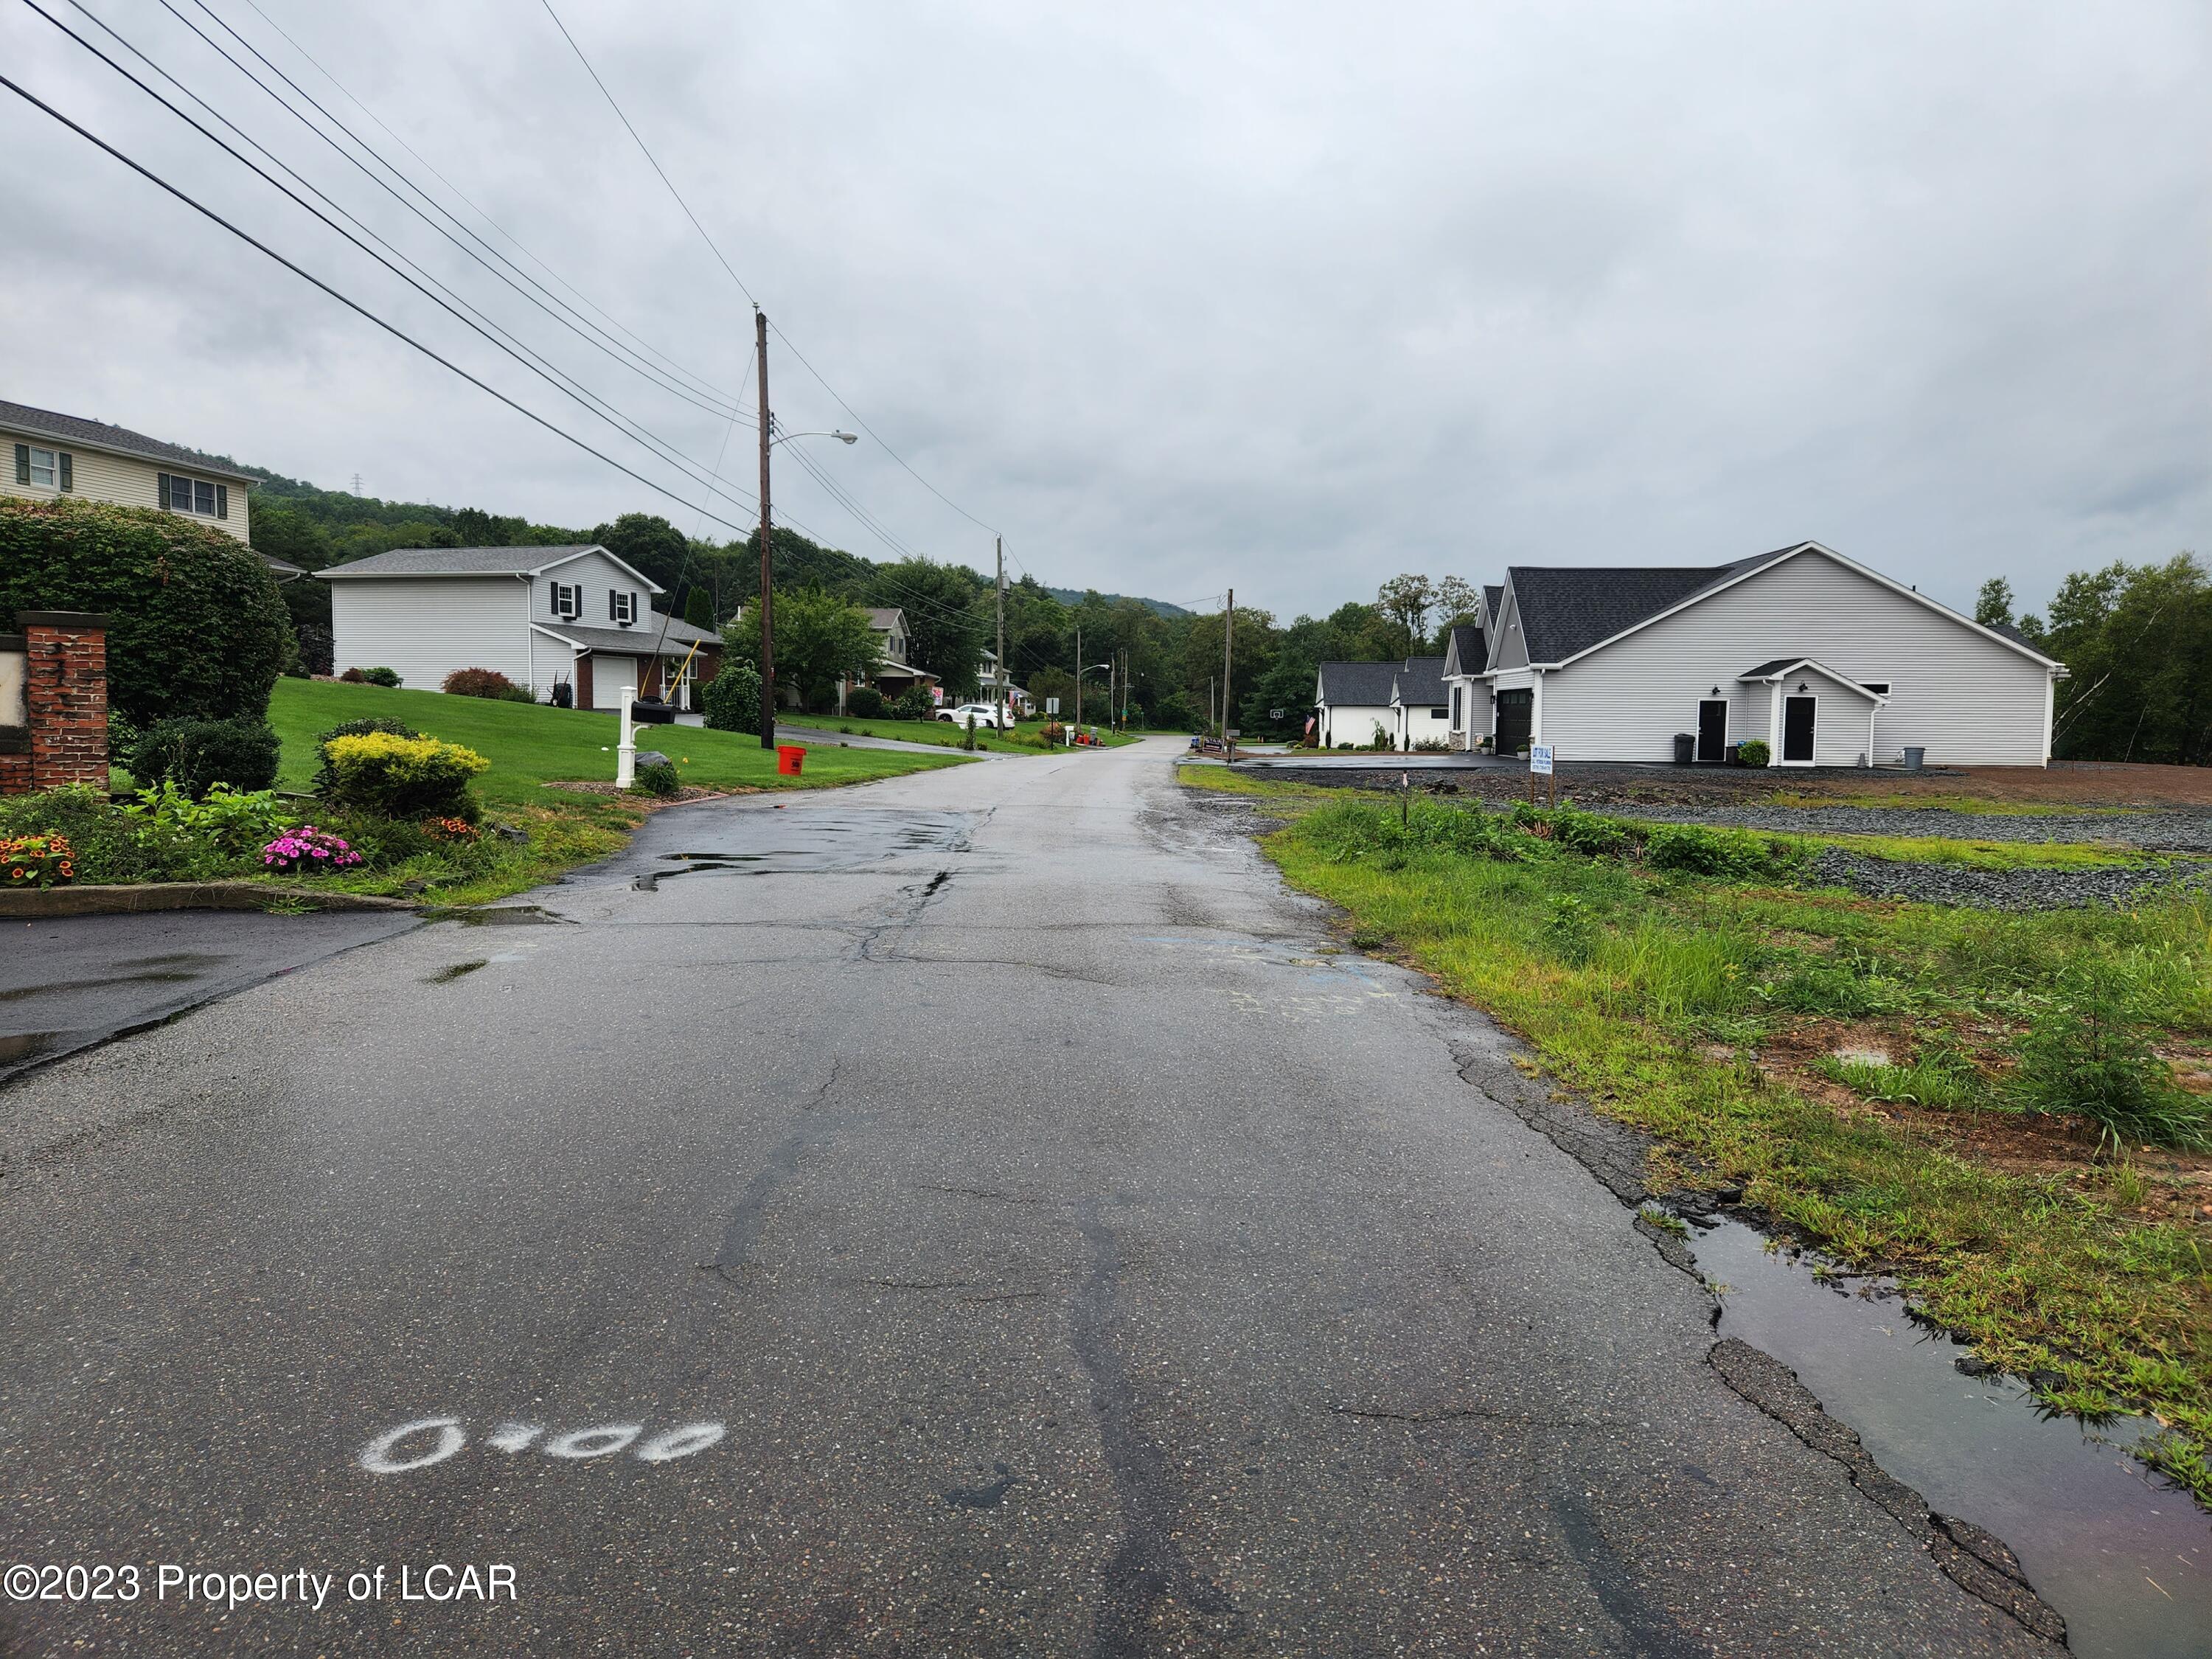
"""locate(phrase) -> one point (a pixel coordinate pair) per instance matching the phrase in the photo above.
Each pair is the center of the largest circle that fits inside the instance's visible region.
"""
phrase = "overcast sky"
(1288, 297)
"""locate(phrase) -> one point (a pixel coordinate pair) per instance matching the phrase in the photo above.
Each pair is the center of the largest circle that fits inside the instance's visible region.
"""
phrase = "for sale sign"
(1539, 758)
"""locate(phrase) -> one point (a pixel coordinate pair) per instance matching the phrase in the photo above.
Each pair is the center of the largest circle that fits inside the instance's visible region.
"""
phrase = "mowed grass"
(1653, 996)
(530, 745)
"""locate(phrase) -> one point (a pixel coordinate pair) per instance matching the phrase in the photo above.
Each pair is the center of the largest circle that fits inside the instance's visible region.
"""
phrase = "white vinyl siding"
(1355, 722)
(98, 475)
(1964, 697)
(425, 626)
(597, 574)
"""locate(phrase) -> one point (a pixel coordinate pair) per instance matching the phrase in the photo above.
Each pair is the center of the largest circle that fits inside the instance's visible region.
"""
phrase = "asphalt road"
(978, 1215)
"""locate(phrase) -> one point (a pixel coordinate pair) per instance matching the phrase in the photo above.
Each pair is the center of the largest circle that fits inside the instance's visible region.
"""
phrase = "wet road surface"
(75, 981)
(977, 1213)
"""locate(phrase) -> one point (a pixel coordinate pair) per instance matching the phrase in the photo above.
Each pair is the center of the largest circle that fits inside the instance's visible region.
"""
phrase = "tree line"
(2137, 642)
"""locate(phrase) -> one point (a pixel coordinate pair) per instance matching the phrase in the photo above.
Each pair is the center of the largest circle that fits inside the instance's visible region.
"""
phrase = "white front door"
(609, 675)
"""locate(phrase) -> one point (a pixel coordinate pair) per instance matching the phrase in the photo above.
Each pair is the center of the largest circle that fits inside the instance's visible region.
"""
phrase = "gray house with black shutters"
(1827, 661)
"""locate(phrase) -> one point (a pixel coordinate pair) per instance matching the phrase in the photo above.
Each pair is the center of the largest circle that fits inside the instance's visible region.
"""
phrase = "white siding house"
(45, 455)
(1351, 700)
(1827, 661)
(544, 616)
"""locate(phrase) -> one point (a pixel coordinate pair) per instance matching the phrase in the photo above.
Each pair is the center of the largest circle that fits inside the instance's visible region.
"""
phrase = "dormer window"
(567, 600)
(622, 605)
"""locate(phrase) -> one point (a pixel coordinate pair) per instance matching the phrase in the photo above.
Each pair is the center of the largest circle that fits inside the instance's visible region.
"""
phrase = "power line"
(591, 402)
(709, 386)
(595, 336)
(801, 357)
(351, 304)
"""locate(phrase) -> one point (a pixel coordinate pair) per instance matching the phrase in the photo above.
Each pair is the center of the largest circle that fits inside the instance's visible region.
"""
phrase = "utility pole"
(1228, 635)
(1077, 727)
(999, 693)
(767, 599)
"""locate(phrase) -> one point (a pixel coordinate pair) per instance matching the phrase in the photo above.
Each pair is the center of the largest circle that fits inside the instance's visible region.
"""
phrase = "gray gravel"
(2162, 831)
(1993, 890)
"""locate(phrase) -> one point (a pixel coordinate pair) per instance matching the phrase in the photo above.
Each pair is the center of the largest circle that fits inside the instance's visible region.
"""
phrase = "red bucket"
(790, 758)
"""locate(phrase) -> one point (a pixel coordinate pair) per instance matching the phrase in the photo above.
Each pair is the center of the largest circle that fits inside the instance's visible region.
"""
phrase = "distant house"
(1354, 701)
(56, 455)
(542, 616)
(1828, 662)
(893, 675)
(1418, 704)
(1019, 700)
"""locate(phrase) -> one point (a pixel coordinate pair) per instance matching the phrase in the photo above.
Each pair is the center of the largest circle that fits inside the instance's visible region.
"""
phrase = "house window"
(1440, 714)
(45, 468)
(194, 495)
(1457, 692)
(622, 605)
(1879, 688)
(567, 600)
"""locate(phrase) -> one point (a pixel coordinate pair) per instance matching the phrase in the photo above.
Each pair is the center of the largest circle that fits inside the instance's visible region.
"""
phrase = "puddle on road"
(811, 842)
(2124, 1557)
(502, 915)
(27, 1045)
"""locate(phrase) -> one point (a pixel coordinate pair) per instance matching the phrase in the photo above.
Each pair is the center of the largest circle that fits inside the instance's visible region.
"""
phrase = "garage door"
(609, 675)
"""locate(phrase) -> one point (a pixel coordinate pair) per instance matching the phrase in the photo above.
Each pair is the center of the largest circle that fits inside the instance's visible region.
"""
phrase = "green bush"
(1707, 852)
(196, 755)
(324, 778)
(196, 625)
(1753, 751)
(388, 677)
(915, 703)
(657, 778)
(731, 700)
(2090, 1055)
(398, 777)
(865, 702)
(223, 826)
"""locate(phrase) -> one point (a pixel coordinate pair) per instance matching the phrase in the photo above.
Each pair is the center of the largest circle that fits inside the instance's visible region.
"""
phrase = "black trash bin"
(1686, 748)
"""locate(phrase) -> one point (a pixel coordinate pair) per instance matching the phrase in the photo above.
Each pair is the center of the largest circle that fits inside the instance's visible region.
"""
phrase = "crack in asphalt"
(1149, 1576)
(1462, 1414)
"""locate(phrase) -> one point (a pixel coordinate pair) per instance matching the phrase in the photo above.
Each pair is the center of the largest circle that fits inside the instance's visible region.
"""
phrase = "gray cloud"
(1278, 296)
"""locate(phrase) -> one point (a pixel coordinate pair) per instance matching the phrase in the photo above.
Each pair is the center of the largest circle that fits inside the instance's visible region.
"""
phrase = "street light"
(841, 437)
(767, 541)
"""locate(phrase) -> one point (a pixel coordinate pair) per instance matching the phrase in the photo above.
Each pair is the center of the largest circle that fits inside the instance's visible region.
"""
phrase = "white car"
(983, 713)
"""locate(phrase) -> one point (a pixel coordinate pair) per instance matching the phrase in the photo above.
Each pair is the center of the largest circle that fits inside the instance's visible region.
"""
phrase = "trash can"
(1913, 758)
(1686, 748)
(789, 759)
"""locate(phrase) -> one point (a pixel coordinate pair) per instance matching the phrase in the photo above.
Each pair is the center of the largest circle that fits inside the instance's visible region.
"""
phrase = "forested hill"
(1157, 607)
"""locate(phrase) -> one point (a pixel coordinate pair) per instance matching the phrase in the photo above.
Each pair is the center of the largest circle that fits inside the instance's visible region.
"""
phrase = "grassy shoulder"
(1025, 735)
(1857, 1066)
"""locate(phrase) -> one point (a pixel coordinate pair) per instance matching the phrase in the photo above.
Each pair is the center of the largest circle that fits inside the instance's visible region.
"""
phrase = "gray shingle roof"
(1470, 647)
(455, 562)
(1492, 598)
(1419, 683)
(1568, 609)
(98, 434)
(636, 641)
(1346, 683)
(1769, 671)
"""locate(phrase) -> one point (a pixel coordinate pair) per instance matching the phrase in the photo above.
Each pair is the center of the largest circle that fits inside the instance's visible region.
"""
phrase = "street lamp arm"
(841, 437)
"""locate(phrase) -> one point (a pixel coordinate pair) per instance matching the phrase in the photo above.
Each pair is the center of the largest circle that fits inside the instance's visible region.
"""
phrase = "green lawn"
(529, 744)
(1711, 1012)
(1027, 735)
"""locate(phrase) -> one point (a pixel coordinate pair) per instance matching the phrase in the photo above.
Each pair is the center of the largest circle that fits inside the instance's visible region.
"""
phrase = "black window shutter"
(611, 604)
(22, 464)
(221, 500)
(163, 479)
(66, 462)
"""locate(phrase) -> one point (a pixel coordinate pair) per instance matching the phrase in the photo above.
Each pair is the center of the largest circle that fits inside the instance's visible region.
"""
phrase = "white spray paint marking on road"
(602, 1442)
(423, 1441)
(379, 1457)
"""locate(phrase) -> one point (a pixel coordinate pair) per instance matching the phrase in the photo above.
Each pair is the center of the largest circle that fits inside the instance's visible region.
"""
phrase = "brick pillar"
(65, 695)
